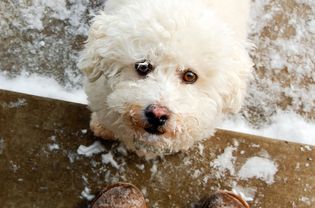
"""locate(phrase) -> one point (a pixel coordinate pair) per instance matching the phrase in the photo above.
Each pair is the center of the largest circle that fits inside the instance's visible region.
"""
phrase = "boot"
(224, 199)
(120, 195)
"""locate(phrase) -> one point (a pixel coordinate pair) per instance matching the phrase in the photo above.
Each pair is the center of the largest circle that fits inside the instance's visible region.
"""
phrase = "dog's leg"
(99, 130)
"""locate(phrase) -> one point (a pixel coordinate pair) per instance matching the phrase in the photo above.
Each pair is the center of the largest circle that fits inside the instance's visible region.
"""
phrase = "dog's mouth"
(157, 130)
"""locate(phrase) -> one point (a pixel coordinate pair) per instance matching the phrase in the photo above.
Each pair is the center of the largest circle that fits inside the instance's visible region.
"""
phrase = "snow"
(84, 131)
(287, 126)
(88, 151)
(283, 32)
(53, 138)
(247, 193)
(72, 157)
(259, 168)
(14, 166)
(34, 15)
(53, 147)
(41, 86)
(86, 194)
(308, 148)
(154, 168)
(196, 174)
(108, 159)
(225, 162)
(140, 166)
(122, 150)
(19, 103)
(307, 201)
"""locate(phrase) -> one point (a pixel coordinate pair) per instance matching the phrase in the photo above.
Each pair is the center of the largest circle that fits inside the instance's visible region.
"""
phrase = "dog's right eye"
(143, 67)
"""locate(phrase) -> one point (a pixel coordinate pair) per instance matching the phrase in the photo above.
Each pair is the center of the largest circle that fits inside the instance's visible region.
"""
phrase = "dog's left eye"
(143, 67)
(190, 77)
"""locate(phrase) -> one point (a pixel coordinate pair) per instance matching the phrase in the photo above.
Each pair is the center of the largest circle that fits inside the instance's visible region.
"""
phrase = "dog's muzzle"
(156, 116)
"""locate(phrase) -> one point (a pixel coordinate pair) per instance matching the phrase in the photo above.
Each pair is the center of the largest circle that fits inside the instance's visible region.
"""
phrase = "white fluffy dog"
(161, 73)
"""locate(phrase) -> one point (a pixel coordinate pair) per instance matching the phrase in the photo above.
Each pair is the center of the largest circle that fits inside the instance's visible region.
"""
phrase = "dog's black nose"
(156, 115)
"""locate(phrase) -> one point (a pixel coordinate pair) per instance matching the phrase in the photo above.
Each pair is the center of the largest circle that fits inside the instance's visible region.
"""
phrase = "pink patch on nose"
(160, 111)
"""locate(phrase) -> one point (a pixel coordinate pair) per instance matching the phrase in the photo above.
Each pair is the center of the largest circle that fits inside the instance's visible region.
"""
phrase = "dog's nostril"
(156, 120)
(156, 115)
(149, 114)
(163, 119)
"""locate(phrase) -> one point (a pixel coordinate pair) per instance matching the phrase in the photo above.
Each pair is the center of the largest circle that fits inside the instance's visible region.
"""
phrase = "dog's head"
(161, 77)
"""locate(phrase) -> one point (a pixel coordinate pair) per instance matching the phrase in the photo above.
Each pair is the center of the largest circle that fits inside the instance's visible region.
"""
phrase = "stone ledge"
(40, 167)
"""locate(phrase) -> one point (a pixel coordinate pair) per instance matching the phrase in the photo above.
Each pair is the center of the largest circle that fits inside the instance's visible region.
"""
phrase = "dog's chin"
(151, 145)
(149, 140)
(155, 130)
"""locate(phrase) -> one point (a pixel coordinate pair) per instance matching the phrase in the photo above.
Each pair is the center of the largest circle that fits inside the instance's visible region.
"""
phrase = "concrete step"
(40, 167)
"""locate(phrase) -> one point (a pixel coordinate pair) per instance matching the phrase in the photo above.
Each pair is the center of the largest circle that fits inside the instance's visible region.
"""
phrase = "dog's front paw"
(99, 130)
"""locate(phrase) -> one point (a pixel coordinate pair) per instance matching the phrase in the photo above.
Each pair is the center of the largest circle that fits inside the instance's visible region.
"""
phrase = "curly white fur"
(206, 36)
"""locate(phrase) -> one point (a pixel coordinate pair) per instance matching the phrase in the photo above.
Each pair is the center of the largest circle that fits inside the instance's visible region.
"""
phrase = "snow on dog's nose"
(156, 116)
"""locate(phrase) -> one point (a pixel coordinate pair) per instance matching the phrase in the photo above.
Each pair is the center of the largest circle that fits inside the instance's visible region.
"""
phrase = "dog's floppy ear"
(90, 60)
(234, 98)
(237, 84)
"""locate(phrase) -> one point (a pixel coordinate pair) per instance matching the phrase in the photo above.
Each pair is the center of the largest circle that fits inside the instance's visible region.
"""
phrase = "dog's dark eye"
(143, 67)
(190, 77)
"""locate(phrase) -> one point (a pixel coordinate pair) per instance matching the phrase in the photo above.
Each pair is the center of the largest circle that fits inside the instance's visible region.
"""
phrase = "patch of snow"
(53, 147)
(86, 194)
(144, 191)
(263, 153)
(306, 200)
(297, 166)
(53, 138)
(34, 14)
(19, 103)
(72, 156)
(154, 168)
(14, 167)
(255, 145)
(308, 148)
(287, 126)
(196, 174)
(41, 86)
(77, 13)
(284, 57)
(225, 161)
(14, 104)
(140, 166)
(187, 161)
(260, 168)
(85, 180)
(109, 159)
(247, 193)
(206, 179)
(122, 150)
(84, 131)
(88, 151)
